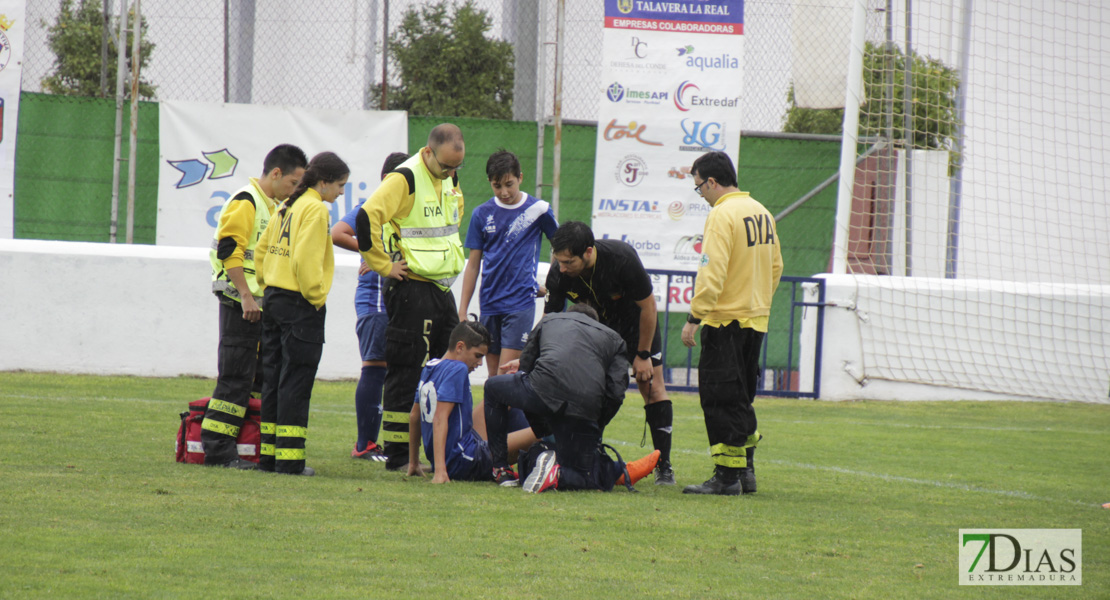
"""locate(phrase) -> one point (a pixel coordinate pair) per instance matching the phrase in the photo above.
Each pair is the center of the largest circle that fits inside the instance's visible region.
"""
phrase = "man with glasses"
(419, 205)
(739, 271)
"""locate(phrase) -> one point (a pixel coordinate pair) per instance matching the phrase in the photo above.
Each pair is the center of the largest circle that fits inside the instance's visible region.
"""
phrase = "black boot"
(724, 482)
(747, 475)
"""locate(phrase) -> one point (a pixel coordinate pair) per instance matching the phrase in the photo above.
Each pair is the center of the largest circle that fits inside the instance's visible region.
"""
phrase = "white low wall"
(887, 338)
(114, 309)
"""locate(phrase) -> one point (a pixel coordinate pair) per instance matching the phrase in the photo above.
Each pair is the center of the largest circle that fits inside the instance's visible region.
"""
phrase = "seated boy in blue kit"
(442, 418)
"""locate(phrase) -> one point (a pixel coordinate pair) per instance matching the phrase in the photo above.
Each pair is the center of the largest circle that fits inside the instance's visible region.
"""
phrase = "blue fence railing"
(775, 381)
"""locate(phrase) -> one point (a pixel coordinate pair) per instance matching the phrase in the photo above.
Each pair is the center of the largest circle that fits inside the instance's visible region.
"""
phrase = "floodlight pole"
(136, 34)
(121, 71)
(557, 159)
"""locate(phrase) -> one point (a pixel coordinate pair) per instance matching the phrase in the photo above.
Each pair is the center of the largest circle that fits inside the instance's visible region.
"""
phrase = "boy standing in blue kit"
(504, 241)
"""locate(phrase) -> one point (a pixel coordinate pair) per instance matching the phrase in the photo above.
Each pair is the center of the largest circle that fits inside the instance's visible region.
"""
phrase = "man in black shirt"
(608, 275)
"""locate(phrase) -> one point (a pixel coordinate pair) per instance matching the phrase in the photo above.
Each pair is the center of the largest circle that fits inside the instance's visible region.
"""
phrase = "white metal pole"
(121, 71)
(541, 97)
(850, 140)
(557, 159)
(136, 33)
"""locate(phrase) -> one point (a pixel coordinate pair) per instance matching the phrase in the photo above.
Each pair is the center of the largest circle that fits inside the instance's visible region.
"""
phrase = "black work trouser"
(582, 464)
(421, 317)
(237, 368)
(728, 374)
(292, 342)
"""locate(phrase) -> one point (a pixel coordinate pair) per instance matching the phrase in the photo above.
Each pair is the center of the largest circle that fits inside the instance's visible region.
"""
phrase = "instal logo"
(1021, 557)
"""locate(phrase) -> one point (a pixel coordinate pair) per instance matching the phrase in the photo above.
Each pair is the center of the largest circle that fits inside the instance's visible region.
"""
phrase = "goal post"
(972, 248)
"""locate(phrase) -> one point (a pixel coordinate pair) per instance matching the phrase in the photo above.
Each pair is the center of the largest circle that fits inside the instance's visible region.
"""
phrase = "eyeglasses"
(697, 188)
(446, 167)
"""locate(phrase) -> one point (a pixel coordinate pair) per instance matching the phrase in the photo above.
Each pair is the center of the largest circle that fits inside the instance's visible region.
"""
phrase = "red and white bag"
(189, 448)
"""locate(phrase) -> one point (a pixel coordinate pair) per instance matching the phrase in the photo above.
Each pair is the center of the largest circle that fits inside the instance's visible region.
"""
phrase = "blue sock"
(368, 405)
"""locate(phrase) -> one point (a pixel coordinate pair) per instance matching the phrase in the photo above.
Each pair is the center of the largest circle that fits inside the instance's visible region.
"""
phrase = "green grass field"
(856, 500)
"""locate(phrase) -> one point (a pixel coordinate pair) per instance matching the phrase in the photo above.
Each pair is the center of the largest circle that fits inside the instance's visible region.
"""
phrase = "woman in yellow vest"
(295, 266)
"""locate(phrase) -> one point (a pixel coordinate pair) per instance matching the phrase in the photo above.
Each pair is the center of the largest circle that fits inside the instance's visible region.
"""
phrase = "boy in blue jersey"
(442, 412)
(504, 241)
(370, 328)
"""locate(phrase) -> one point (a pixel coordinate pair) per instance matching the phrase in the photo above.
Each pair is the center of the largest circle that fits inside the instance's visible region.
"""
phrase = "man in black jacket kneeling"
(570, 382)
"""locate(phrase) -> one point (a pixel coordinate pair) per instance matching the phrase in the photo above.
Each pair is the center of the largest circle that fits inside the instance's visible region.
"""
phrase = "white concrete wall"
(107, 309)
(104, 309)
(888, 338)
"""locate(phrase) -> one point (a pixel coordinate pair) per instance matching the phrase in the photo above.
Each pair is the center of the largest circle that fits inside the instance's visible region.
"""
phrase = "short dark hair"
(502, 163)
(286, 157)
(444, 133)
(572, 236)
(326, 167)
(392, 162)
(716, 165)
(585, 309)
(471, 333)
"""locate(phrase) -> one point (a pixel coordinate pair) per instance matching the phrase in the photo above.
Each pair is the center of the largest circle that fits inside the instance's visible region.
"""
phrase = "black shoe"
(307, 472)
(241, 464)
(747, 475)
(715, 485)
(664, 474)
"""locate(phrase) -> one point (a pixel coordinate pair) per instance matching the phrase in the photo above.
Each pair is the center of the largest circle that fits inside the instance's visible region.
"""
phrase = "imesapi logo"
(1021, 557)
(617, 92)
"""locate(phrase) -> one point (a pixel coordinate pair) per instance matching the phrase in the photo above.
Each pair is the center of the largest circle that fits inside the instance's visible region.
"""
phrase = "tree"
(447, 65)
(934, 101)
(75, 39)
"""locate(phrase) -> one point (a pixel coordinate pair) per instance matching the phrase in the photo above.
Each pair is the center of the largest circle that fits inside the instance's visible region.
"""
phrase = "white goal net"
(978, 219)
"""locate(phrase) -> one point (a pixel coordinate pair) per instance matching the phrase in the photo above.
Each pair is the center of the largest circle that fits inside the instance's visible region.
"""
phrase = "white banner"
(672, 81)
(207, 151)
(13, 25)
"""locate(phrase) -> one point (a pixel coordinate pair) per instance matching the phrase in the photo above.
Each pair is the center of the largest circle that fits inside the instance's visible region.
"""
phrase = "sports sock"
(660, 417)
(368, 405)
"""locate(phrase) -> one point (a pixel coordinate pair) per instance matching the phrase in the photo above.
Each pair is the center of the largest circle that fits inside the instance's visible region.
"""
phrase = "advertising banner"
(672, 84)
(13, 25)
(208, 151)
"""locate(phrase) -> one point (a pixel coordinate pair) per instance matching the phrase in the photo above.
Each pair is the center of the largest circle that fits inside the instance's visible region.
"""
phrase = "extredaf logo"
(687, 96)
(1021, 557)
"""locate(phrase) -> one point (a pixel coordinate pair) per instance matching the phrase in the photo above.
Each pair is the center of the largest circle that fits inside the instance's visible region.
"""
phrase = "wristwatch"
(644, 354)
(692, 320)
